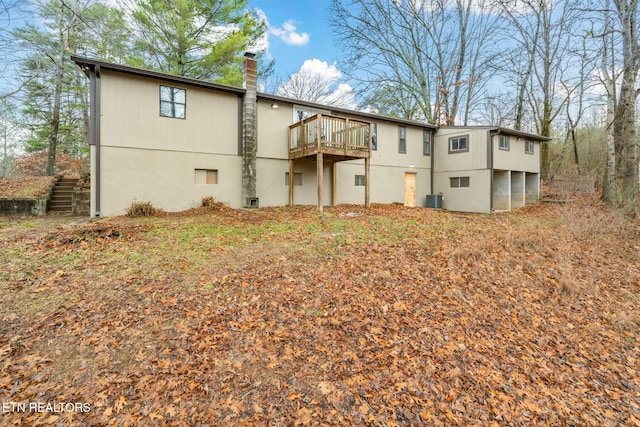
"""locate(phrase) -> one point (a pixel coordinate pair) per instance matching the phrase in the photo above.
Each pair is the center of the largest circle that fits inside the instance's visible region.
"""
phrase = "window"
(528, 147)
(458, 144)
(459, 182)
(504, 142)
(297, 179)
(360, 181)
(402, 139)
(374, 136)
(206, 176)
(173, 102)
(426, 142)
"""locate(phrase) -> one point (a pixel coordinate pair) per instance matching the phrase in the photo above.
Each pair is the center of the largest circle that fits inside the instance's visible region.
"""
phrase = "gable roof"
(86, 63)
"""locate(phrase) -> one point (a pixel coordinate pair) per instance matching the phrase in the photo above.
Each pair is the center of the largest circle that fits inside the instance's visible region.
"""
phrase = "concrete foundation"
(517, 190)
(501, 190)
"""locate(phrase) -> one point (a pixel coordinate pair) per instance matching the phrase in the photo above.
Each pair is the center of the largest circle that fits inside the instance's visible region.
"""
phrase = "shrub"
(141, 209)
(210, 203)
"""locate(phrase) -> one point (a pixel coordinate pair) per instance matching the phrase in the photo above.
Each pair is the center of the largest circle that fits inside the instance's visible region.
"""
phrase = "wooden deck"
(333, 139)
(343, 138)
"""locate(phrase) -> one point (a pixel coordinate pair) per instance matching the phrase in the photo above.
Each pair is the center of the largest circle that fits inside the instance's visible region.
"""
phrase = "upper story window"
(459, 144)
(426, 142)
(402, 139)
(504, 142)
(528, 147)
(173, 102)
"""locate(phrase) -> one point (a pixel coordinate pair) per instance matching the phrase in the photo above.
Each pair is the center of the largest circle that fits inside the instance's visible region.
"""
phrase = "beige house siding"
(467, 199)
(515, 158)
(173, 163)
(273, 130)
(387, 183)
(165, 178)
(148, 158)
(131, 117)
(471, 164)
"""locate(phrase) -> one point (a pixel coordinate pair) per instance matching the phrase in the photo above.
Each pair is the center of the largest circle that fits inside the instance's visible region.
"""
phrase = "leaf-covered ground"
(30, 187)
(387, 317)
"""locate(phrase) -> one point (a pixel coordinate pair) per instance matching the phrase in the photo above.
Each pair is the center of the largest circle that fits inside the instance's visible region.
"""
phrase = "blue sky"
(298, 30)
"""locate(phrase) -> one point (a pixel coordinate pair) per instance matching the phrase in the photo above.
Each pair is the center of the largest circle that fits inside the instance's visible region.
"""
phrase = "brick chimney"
(249, 132)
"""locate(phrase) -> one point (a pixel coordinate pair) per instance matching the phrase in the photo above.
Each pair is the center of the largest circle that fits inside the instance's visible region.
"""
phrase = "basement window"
(297, 179)
(360, 181)
(206, 176)
(459, 182)
(173, 102)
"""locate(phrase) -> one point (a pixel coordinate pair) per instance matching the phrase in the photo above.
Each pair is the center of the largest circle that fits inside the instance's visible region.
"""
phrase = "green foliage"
(199, 39)
(55, 106)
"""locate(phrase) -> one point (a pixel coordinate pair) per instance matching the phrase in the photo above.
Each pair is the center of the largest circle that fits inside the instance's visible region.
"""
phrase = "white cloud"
(317, 81)
(321, 68)
(288, 34)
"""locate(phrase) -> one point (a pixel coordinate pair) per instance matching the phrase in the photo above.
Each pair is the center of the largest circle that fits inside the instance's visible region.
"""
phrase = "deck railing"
(330, 134)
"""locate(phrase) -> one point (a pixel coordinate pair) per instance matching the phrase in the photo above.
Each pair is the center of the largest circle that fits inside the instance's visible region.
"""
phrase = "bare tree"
(318, 82)
(609, 76)
(625, 112)
(434, 51)
(543, 32)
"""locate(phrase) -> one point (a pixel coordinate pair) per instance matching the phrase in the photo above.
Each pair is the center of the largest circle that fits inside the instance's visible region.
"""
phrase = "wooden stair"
(62, 196)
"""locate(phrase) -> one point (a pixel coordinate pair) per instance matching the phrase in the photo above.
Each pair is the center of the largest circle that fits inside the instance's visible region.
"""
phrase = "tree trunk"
(625, 120)
(55, 114)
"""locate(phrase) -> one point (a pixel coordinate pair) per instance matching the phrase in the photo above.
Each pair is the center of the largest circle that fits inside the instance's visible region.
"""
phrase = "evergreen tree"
(202, 39)
(55, 105)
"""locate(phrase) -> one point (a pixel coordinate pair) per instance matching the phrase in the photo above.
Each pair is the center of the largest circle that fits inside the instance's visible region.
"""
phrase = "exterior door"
(410, 189)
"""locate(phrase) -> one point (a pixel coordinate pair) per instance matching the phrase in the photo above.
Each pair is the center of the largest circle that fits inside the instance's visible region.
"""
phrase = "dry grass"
(388, 316)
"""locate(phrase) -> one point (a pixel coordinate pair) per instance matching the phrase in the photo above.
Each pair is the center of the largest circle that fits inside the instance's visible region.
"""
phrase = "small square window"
(402, 139)
(173, 102)
(206, 176)
(360, 181)
(426, 142)
(458, 144)
(459, 182)
(528, 147)
(297, 179)
(504, 143)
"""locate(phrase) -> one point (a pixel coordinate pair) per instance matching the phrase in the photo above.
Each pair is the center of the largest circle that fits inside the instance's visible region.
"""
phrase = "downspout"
(94, 131)
(433, 149)
(490, 167)
(249, 133)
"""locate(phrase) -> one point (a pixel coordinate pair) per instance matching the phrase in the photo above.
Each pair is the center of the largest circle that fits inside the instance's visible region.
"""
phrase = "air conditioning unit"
(434, 201)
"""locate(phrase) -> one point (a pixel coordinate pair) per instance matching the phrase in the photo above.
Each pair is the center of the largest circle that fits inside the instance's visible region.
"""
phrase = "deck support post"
(367, 181)
(291, 181)
(320, 172)
(334, 185)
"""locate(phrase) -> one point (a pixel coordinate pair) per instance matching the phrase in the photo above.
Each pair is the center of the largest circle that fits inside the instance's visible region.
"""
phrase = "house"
(486, 168)
(171, 141)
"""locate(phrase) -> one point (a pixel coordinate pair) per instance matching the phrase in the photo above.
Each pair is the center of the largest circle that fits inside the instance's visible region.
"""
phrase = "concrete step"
(62, 196)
